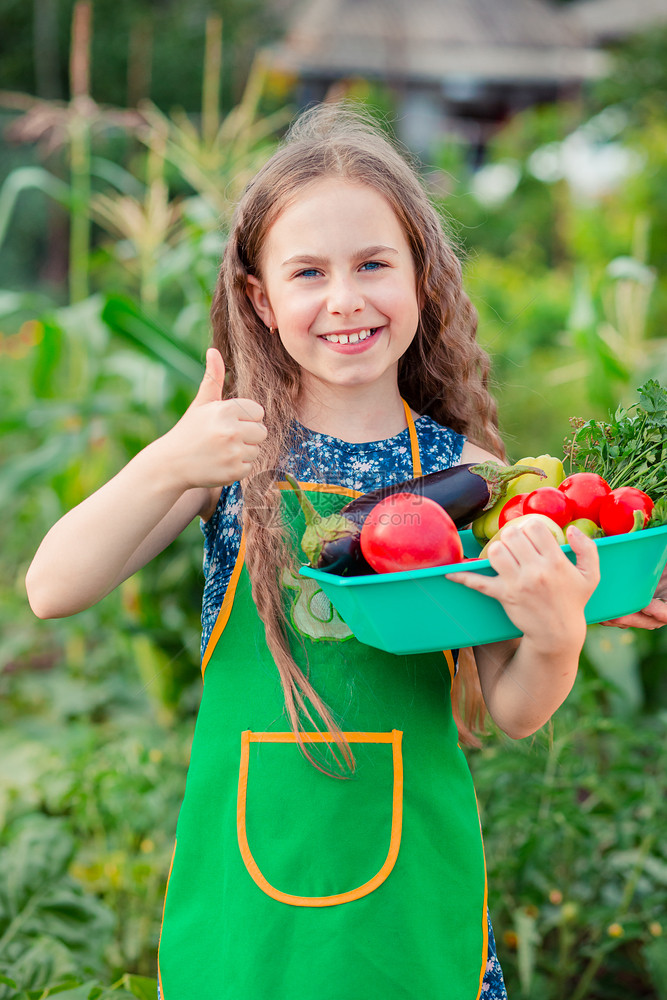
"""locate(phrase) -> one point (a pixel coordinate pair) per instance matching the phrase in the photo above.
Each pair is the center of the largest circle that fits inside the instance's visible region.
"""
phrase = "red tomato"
(406, 531)
(585, 490)
(513, 508)
(550, 501)
(625, 509)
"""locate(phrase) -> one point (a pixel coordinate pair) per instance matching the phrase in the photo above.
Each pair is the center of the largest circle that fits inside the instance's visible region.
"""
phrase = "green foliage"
(126, 988)
(577, 881)
(170, 38)
(93, 773)
(569, 278)
(640, 79)
(48, 926)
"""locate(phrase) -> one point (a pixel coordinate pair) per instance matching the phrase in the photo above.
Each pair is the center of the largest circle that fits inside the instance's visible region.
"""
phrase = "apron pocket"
(311, 840)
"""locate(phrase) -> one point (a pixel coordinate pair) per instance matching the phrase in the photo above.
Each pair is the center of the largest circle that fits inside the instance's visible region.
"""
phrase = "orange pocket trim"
(343, 491)
(249, 737)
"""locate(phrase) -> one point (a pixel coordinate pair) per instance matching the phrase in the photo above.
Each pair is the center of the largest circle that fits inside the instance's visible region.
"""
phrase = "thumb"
(586, 551)
(212, 385)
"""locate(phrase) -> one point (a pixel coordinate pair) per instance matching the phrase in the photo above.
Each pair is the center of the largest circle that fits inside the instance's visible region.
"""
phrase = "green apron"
(288, 883)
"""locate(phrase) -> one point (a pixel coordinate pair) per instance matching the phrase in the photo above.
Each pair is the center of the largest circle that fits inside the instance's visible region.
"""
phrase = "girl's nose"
(344, 297)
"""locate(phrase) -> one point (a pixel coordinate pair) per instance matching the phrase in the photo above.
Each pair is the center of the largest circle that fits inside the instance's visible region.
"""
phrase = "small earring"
(273, 329)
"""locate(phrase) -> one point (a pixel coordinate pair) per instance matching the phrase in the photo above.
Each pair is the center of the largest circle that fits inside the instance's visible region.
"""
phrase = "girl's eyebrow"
(307, 258)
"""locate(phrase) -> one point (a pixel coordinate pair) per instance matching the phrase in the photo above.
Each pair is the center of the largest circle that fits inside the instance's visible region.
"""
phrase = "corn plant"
(220, 156)
(72, 126)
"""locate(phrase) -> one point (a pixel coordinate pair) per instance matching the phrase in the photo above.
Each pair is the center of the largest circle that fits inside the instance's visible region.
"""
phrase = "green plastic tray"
(419, 611)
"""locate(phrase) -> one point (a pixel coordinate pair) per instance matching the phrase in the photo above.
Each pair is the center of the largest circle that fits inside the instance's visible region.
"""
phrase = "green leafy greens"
(630, 450)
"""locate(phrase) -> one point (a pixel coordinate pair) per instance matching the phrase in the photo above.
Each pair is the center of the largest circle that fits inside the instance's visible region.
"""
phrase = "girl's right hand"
(216, 440)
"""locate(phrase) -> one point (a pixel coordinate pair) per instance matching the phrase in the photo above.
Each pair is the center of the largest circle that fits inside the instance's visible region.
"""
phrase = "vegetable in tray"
(405, 531)
(630, 449)
(616, 488)
(463, 491)
(617, 485)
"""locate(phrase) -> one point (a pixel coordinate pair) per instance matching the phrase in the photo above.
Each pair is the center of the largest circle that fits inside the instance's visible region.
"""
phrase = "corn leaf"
(125, 318)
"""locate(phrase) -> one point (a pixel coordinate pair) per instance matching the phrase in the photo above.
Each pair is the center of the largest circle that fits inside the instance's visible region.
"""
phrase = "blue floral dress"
(358, 466)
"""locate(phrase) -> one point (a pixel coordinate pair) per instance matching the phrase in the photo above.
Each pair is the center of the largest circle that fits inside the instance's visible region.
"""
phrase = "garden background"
(112, 221)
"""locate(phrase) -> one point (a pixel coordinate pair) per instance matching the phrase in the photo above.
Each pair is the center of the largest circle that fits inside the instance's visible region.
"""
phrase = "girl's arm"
(118, 529)
(525, 680)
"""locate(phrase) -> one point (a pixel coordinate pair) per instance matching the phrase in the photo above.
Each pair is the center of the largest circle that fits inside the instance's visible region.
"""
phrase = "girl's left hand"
(542, 592)
(653, 616)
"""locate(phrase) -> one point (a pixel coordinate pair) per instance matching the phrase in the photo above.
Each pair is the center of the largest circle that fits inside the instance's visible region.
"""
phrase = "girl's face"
(339, 284)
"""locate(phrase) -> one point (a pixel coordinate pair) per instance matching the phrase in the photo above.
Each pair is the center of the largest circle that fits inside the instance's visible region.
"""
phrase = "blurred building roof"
(612, 20)
(433, 40)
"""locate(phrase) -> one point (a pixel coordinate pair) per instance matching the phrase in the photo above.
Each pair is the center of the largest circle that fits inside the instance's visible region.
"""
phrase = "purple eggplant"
(464, 491)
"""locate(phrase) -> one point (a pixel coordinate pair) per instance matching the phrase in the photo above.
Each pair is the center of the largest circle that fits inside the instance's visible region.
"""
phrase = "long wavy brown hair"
(443, 373)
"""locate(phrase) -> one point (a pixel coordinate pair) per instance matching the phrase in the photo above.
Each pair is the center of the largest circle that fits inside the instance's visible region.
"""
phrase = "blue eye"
(372, 265)
(308, 273)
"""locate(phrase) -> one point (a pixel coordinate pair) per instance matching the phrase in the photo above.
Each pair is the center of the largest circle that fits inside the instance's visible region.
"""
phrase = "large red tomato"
(585, 490)
(405, 531)
(625, 509)
(550, 501)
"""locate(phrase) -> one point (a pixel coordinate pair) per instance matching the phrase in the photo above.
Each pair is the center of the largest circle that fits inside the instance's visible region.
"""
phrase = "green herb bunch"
(630, 450)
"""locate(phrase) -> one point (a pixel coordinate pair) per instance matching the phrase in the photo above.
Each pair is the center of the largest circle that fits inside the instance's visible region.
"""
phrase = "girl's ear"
(259, 300)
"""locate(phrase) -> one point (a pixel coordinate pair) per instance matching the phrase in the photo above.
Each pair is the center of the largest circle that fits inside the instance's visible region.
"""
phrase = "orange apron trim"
(414, 443)
(249, 737)
(164, 906)
(225, 608)
(450, 663)
(485, 907)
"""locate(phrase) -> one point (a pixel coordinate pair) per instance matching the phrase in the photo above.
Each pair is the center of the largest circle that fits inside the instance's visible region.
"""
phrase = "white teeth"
(351, 338)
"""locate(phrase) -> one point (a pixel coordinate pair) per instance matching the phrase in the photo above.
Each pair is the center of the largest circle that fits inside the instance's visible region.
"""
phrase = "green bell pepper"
(486, 525)
(555, 474)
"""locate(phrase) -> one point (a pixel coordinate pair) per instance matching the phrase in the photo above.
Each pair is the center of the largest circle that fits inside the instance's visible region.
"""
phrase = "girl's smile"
(338, 282)
(351, 341)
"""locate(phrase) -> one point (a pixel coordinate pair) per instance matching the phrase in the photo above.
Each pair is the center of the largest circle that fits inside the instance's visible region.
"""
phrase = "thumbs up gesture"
(216, 440)
(211, 386)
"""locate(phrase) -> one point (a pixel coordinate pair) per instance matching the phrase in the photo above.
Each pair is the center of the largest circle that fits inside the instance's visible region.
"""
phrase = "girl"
(328, 845)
